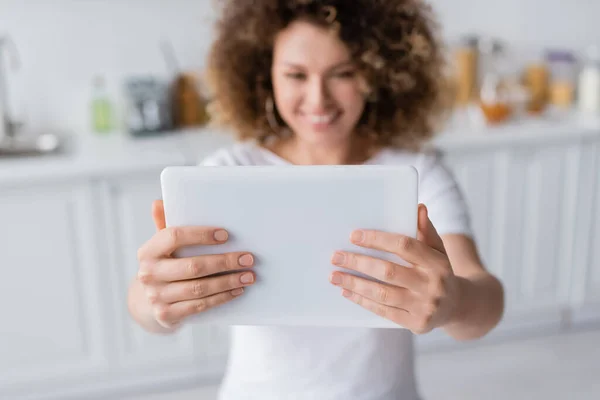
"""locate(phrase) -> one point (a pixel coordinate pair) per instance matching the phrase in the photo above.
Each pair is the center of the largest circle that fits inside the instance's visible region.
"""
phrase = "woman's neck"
(355, 151)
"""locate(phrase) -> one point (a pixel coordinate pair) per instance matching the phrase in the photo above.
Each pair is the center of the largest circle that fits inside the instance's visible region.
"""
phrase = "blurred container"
(148, 106)
(536, 80)
(102, 109)
(589, 83)
(189, 108)
(563, 73)
(467, 70)
(495, 97)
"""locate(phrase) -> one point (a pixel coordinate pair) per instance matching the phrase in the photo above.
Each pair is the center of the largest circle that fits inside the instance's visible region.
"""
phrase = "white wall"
(63, 43)
(566, 23)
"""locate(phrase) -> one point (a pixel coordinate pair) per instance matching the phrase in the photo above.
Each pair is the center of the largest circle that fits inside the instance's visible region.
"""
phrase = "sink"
(29, 145)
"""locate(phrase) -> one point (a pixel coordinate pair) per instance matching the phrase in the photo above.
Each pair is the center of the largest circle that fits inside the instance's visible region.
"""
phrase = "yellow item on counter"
(536, 80)
(562, 94)
(188, 103)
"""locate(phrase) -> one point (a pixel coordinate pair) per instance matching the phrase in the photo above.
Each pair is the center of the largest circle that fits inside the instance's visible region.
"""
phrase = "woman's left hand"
(420, 297)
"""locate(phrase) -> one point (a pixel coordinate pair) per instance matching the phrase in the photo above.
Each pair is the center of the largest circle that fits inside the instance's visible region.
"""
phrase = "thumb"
(158, 214)
(427, 232)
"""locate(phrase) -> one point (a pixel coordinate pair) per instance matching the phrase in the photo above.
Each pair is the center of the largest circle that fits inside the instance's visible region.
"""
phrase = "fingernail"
(246, 260)
(338, 258)
(346, 293)
(247, 278)
(336, 279)
(144, 277)
(237, 292)
(358, 236)
(220, 235)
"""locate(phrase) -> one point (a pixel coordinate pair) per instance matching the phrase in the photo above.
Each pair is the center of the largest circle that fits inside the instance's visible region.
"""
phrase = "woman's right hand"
(177, 288)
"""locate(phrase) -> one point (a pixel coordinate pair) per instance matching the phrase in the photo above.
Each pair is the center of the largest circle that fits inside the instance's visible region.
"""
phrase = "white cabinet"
(519, 203)
(592, 288)
(585, 293)
(68, 257)
(532, 211)
(53, 321)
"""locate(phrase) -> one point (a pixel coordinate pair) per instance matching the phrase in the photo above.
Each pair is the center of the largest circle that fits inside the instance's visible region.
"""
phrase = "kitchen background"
(528, 159)
(63, 44)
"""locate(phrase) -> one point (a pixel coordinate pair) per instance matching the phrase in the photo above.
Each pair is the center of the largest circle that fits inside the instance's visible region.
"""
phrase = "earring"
(270, 108)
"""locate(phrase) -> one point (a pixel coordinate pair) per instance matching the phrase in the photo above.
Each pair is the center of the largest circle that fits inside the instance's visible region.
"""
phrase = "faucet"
(8, 128)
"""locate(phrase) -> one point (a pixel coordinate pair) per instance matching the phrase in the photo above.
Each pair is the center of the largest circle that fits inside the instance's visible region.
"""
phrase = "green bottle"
(102, 117)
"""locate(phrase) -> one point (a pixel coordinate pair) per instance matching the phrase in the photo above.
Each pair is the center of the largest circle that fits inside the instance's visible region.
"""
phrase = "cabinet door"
(52, 325)
(130, 224)
(475, 175)
(592, 292)
(585, 294)
(522, 203)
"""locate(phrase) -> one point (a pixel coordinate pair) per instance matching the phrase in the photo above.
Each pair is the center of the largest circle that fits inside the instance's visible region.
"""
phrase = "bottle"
(589, 83)
(102, 117)
(495, 92)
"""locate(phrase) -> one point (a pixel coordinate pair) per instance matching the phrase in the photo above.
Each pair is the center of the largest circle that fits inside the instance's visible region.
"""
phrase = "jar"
(536, 80)
(495, 91)
(563, 75)
(466, 59)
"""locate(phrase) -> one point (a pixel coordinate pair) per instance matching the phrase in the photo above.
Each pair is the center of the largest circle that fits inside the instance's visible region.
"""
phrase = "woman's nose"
(316, 96)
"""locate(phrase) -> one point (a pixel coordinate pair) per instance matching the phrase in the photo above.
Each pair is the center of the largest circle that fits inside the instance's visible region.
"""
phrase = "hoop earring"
(270, 108)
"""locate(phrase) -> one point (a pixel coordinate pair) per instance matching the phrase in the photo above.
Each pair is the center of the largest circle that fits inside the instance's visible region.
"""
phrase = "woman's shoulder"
(236, 154)
(438, 189)
(423, 161)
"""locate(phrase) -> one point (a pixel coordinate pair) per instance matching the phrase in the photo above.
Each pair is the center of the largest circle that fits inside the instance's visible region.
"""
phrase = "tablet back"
(292, 218)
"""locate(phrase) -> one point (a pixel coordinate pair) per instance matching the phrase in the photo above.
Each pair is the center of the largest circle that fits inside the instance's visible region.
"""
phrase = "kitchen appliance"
(148, 108)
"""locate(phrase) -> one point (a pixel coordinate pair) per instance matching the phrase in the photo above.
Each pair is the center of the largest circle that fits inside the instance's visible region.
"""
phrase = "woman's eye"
(295, 75)
(345, 74)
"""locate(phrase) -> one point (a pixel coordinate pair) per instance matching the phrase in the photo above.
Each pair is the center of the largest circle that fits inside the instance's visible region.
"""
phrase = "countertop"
(89, 156)
(95, 156)
(552, 128)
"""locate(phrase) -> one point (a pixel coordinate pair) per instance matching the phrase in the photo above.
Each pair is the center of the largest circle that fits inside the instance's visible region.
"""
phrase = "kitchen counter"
(90, 155)
(553, 128)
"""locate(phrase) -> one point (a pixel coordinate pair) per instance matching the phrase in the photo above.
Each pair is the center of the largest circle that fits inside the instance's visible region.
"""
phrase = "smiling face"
(316, 86)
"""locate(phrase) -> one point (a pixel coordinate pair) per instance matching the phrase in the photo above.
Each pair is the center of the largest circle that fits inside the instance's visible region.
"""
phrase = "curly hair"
(393, 43)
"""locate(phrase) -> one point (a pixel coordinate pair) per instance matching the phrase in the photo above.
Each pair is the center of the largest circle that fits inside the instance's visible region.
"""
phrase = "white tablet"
(292, 218)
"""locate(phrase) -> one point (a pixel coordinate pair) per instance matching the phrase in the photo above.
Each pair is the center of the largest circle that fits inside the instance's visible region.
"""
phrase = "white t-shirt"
(275, 363)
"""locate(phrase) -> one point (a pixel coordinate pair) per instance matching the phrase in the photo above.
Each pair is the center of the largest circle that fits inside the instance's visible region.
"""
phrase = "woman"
(330, 82)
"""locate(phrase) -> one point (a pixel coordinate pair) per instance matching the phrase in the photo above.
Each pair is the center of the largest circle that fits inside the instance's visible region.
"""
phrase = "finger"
(406, 247)
(426, 231)
(166, 241)
(397, 315)
(381, 293)
(382, 270)
(180, 269)
(199, 288)
(158, 215)
(173, 314)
